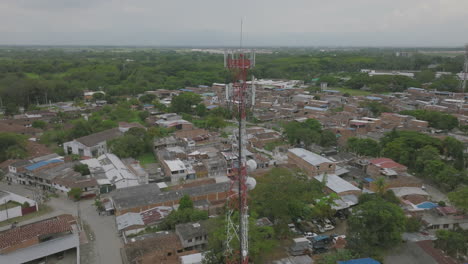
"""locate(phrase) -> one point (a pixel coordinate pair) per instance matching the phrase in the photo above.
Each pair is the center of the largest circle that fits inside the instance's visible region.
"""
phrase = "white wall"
(18, 198)
(12, 212)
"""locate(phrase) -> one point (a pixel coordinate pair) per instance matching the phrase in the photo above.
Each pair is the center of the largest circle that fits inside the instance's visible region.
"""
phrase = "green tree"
(425, 76)
(185, 203)
(363, 146)
(376, 108)
(460, 198)
(147, 98)
(261, 241)
(98, 96)
(446, 83)
(12, 146)
(412, 225)
(327, 138)
(39, 124)
(375, 225)
(185, 102)
(283, 195)
(75, 193)
(133, 143)
(82, 168)
(436, 119)
(454, 243)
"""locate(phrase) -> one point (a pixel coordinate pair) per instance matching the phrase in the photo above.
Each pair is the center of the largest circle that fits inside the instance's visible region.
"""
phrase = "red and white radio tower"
(239, 63)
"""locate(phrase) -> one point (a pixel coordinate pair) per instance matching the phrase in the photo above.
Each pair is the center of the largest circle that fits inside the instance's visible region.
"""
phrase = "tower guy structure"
(464, 76)
(237, 219)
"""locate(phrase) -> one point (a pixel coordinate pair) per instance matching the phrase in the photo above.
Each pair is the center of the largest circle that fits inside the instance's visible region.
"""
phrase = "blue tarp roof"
(211, 106)
(368, 179)
(427, 205)
(360, 261)
(375, 98)
(148, 105)
(42, 163)
(185, 90)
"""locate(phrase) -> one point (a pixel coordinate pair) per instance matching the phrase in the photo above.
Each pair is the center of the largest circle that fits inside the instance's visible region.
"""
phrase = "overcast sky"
(217, 22)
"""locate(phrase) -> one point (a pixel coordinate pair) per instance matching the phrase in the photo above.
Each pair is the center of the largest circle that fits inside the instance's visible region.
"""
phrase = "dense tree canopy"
(133, 143)
(308, 132)
(375, 225)
(423, 154)
(363, 146)
(460, 198)
(12, 146)
(436, 119)
(29, 76)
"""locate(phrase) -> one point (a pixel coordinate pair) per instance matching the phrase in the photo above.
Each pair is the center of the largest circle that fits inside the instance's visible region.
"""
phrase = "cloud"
(205, 22)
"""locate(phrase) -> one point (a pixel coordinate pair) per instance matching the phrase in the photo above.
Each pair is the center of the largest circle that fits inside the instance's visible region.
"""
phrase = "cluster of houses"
(197, 162)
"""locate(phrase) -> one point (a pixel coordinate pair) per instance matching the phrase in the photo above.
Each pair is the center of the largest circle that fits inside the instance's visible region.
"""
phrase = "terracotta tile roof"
(436, 254)
(386, 163)
(17, 235)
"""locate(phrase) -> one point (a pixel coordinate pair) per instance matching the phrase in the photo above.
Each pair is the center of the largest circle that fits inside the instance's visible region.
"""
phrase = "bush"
(75, 193)
(82, 168)
(412, 225)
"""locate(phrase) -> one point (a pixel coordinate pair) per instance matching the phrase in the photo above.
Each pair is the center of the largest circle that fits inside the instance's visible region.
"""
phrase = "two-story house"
(193, 235)
(92, 145)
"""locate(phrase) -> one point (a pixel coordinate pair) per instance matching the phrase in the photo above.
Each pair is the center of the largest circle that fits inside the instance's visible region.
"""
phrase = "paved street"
(106, 243)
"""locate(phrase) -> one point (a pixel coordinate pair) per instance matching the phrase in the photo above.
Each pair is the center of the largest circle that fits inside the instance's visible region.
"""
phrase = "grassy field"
(146, 158)
(352, 92)
(32, 75)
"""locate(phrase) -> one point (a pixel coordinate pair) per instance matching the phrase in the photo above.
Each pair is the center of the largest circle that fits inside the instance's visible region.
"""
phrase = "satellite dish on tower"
(251, 165)
(251, 183)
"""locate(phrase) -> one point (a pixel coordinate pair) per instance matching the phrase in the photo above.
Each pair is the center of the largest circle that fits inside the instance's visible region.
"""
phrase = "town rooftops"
(96, 138)
(404, 191)
(18, 235)
(310, 157)
(175, 165)
(127, 220)
(148, 194)
(336, 184)
(63, 170)
(191, 230)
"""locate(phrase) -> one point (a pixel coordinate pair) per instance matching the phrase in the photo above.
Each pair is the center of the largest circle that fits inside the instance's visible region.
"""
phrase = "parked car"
(309, 235)
(328, 227)
(293, 229)
(320, 228)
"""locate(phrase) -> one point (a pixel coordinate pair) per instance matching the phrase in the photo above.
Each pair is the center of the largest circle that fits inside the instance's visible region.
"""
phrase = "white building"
(108, 169)
(92, 145)
(178, 170)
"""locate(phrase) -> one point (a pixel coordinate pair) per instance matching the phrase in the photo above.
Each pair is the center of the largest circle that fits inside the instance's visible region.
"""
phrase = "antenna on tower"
(238, 62)
(464, 77)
